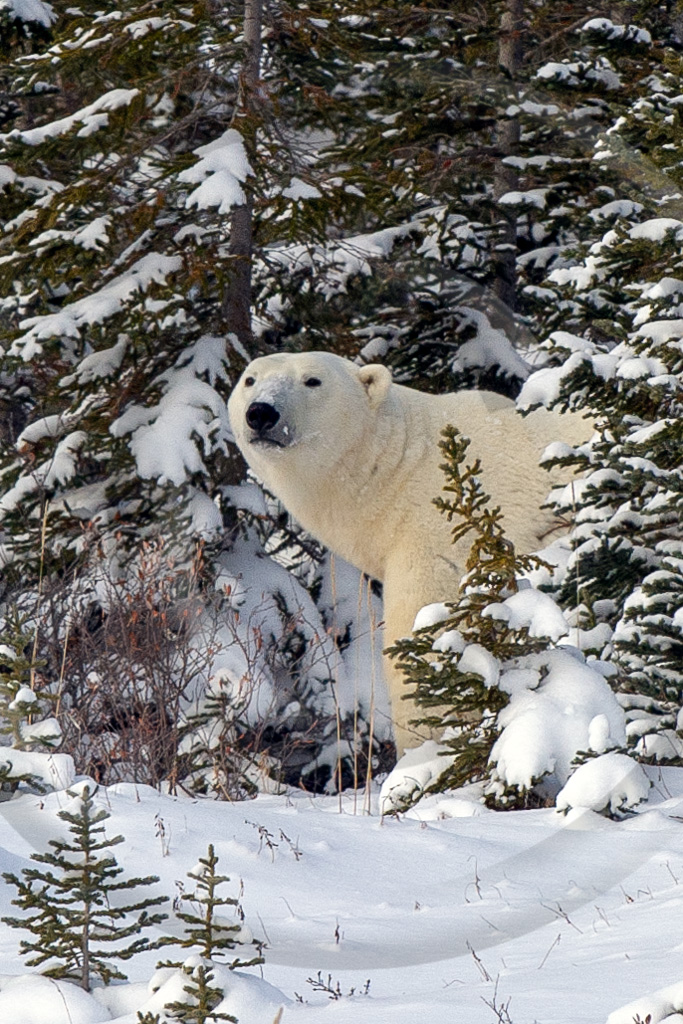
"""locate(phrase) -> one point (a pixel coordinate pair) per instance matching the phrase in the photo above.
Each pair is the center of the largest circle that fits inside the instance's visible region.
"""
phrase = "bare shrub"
(125, 659)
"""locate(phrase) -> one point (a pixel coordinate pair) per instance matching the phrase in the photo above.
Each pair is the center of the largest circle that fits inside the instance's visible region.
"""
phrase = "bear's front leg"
(412, 580)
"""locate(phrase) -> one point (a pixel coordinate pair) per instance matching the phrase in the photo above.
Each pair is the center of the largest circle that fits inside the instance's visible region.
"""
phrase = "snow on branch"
(164, 436)
(222, 167)
(94, 308)
(91, 118)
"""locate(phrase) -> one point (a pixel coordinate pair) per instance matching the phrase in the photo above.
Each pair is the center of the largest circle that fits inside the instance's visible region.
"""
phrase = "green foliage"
(20, 703)
(622, 364)
(208, 931)
(465, 703)
(77, 928)
(202, 996)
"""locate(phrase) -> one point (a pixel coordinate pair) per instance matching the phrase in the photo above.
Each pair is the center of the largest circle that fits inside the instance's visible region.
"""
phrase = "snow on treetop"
(663, 288)
(477, 660)
(24, 695)
(655, 230)
(164, 436)
(222, 167)
(659, 331)
(640, 366)
(88, 237)
(571, 73)
(543, 387)
(489, 347)
(29, 10)
(93, 117)
(616, 208)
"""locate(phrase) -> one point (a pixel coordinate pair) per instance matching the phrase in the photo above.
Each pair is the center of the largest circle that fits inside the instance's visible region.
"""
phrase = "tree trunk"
(237, 296)
(510, 57)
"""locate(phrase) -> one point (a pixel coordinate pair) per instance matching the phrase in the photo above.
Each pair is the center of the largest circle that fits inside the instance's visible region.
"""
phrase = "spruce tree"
(77, 930)
(207, 931)
(212, 937)
(202, 997)
(123, 180)
(619, 361)
(460, 694)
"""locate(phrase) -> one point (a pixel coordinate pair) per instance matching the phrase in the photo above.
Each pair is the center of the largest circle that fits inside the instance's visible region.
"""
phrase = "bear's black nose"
(262, 417)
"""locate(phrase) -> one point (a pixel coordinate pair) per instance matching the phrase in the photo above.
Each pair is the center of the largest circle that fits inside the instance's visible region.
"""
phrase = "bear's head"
(304, 408)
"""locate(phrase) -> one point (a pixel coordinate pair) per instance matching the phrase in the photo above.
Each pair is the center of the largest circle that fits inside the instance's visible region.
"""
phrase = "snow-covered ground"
(447, 915)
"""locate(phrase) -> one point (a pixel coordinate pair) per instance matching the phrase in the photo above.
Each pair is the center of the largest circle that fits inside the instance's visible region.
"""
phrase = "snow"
(431, 615)
(222, 168)
(38, 1000)
(574, 918)
(298, 189)
(414, 772)
(169, 438)
(629, 33)
(477, 660)
(656, 229)
(53, 770)
(91, 118)
(533, 610)
(543, 386)
(489, 347)
(96, 308)
(24, 695)
(654, 1008)
(535, 197)
(573, 72)
(612, 780)
(546, 724)
(29, 10)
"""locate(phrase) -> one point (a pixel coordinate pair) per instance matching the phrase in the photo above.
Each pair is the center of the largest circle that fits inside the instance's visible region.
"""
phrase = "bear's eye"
(249, 382)
(313, 382)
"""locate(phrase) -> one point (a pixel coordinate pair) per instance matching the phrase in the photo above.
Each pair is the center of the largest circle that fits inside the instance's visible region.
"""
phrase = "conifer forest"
(478, 196)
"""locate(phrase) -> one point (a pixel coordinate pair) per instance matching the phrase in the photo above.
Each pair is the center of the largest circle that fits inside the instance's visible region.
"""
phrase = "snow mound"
(249, 999)
(416, 770)
(654, 1008)
(612, 781)
(34, 999)
(53, 770)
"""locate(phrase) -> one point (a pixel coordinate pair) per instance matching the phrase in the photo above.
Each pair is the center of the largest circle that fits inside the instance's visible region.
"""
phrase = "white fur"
(360, 468)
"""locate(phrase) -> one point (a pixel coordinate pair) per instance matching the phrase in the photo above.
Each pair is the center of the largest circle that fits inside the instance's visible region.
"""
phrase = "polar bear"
(355, 459)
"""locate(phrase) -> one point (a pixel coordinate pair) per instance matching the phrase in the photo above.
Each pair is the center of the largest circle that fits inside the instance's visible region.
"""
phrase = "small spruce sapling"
(207, 932)
(462, 701)
(202, 996)
(212, 937)
(74, 925)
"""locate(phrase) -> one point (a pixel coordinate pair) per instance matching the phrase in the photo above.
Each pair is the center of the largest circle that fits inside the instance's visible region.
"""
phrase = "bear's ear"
(376, 380)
